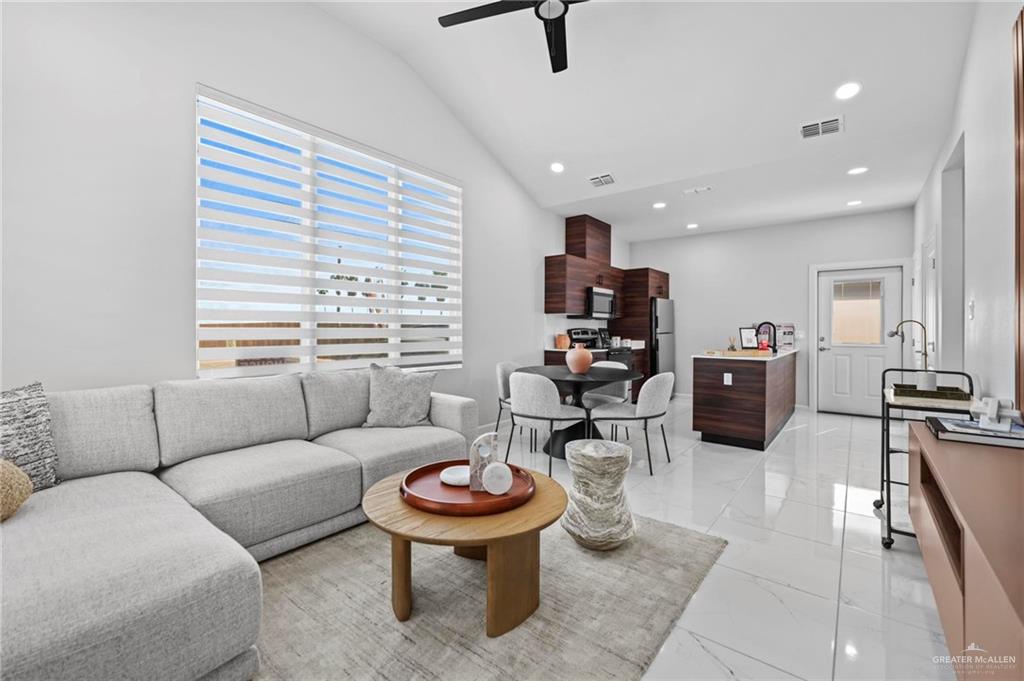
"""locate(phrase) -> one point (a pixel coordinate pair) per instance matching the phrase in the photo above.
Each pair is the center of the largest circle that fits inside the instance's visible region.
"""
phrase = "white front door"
(856, 310)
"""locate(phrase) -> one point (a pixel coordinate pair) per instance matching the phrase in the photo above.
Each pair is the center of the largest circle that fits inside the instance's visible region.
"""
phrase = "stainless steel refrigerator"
(663, 337)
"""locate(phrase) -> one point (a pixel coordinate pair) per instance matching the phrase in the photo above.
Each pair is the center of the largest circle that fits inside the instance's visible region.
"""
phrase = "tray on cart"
(940, 393)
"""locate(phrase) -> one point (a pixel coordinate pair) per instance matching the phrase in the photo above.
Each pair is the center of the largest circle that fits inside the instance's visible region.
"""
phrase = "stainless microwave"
(600, 303)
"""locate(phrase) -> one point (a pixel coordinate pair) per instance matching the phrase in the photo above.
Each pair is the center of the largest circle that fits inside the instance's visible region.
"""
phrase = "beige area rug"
(327, 609)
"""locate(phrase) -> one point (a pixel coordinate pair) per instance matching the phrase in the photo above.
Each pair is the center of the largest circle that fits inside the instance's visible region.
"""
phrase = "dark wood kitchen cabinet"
(567, 277)
(633, 318)
(588, 238)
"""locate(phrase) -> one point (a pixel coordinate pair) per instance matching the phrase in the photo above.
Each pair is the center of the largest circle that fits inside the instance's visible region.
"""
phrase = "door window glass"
(857, 312)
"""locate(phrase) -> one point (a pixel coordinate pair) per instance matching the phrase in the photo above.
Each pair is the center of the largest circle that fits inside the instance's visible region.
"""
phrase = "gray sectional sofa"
(141, 564)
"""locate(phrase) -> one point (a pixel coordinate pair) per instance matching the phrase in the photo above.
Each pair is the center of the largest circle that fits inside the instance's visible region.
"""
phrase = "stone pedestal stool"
(598, 515)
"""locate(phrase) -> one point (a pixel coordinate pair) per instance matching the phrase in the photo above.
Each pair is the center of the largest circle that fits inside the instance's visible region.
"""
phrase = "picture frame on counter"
(748, 338)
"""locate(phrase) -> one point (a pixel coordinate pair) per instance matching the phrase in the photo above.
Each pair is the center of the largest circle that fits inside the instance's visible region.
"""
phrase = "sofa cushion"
(336, 399)
(105, 430)
(261, 492)
(399, 399)
(25, 436)
(117, 577)
(215, 415)
(383, 451)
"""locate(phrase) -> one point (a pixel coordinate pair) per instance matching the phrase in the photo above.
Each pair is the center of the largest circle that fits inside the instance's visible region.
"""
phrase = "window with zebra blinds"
(315, 252)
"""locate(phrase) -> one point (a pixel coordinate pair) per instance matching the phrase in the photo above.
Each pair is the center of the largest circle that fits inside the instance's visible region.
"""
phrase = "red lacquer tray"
(422, 488)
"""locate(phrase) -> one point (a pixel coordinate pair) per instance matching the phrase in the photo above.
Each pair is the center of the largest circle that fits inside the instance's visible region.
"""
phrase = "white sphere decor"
(497, 478)
(457, 476)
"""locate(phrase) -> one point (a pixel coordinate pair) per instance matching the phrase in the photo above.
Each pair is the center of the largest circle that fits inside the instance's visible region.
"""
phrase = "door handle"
(821, 349)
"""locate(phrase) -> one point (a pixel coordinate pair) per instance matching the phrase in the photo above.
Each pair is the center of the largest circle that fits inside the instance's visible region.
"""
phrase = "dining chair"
(650, 409)
(536, 405)
(503, 370)
(613, 393)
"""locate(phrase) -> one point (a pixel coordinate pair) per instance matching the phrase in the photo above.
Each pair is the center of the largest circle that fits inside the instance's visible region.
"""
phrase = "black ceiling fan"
(551, 12)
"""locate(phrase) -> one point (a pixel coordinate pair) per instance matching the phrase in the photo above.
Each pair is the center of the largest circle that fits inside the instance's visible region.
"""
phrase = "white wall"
(984, 117)
(99, 158)
(722, 281)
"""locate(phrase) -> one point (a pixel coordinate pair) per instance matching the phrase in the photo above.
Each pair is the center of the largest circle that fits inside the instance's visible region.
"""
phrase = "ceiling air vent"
(819, 128)
(602, 180)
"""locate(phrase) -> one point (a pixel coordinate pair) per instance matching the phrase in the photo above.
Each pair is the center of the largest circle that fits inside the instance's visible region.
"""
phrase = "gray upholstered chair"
(649, 411)
(613, 393)
(536, 404)
(503, 371)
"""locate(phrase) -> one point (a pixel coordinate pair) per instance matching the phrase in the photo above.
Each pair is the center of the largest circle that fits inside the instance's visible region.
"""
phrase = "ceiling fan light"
(549, 10)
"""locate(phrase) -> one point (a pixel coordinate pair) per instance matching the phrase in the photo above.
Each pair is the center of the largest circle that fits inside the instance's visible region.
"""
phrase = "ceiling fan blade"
(491, 9)
(554, 30)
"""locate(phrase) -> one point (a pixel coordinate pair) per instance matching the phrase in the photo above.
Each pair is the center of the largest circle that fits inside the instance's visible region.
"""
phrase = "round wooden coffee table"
(509, 542)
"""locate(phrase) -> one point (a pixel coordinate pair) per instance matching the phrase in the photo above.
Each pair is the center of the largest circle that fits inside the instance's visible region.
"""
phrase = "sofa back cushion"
(336, 399)
(206, 416)
(104, 430)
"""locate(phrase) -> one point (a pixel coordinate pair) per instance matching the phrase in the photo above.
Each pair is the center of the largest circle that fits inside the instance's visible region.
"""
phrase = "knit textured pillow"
(25, 437)
(398, 399)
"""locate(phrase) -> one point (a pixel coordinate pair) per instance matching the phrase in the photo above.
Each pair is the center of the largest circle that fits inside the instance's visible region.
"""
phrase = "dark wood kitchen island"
(743, 401)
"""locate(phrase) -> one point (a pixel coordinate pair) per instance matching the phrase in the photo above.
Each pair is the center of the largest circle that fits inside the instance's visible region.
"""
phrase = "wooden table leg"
(401, 577)
(513, 582)
(474, 552)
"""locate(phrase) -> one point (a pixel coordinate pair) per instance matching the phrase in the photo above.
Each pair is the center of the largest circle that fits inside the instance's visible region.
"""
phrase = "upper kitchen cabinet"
(566, 278)
(640, 285)
(586, 263)
(588, 238)
(657, 282)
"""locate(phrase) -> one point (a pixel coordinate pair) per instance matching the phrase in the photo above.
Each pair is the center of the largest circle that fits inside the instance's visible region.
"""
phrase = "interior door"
(856, 310)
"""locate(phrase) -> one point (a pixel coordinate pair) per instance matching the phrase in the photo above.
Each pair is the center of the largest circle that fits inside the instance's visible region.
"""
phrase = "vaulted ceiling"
(667, 96)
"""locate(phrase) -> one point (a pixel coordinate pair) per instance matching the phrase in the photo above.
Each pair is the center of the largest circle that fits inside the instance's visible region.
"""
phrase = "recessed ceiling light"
(692, 225)
(854, 203)
(860, 170)
(848, 90)
(557, 167)
(658, 205)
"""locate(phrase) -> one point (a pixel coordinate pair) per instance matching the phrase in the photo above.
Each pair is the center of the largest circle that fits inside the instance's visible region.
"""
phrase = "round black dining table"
(577, 384)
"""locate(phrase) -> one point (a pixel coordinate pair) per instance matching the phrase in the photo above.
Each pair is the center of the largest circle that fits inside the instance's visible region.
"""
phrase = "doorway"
(856, 309)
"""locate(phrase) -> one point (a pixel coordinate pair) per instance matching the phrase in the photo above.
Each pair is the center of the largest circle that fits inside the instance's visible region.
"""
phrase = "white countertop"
(781, 353)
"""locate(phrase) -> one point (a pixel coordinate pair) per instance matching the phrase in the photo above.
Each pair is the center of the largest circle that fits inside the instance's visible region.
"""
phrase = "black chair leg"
(551, 455)
(510, 434)
(627, 433)
(650, 464)
(665, 440)
(498, 420)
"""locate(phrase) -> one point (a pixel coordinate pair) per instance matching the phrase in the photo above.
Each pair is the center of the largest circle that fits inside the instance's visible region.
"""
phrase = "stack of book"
(964, 430)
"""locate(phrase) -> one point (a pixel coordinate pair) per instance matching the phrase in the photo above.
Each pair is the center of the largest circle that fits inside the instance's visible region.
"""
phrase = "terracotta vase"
(561, 341)
(579, 359)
